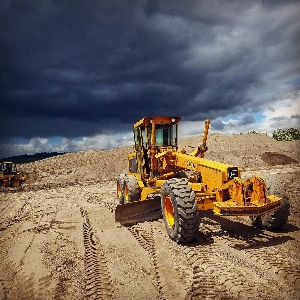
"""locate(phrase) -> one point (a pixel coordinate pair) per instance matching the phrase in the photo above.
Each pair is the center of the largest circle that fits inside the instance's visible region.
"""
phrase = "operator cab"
(8, 168)
(165, 132)
(153, 134)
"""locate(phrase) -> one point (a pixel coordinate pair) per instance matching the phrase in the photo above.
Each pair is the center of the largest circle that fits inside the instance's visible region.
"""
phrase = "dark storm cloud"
(285, 122)
(217, 124)
(280, 118)
(296, 116)
(72, 68)
(247, 120)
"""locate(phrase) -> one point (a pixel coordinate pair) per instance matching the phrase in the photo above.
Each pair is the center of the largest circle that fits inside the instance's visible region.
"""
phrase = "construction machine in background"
(9, 175)
(165, 181)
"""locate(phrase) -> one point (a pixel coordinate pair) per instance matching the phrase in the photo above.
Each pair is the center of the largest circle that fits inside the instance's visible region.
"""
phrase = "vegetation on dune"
(290, 134)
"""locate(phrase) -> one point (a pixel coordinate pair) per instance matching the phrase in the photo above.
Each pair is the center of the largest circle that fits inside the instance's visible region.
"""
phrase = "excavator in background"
(9, 175)
(165, 181)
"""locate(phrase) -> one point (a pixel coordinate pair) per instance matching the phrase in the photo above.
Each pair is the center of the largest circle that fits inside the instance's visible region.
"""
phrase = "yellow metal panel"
(231, 208)
(193, 163)
(197, 187)
(159, 183)
(205, 203)
(141, 184)
(214, 174)
(131, 155)
(147, 191)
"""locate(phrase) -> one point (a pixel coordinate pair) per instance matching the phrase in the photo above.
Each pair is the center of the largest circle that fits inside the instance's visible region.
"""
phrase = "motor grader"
(164, 180)
(9, 175)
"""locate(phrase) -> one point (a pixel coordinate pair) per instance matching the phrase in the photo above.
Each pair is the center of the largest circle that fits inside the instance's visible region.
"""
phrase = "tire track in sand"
(146, 240)
(217, 277)
(198, 284)
(237, 274)
(255, 250)
(215, 270)
(16, 284)
(98, 282)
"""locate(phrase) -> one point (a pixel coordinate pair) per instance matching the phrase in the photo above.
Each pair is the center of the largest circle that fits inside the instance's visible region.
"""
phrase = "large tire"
(15, 182)
(276, 219)
(131, 189)
(120, 188)
(180, 213)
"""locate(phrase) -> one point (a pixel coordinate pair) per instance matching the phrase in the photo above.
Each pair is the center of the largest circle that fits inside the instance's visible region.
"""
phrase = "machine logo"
(232, 172)
(190, 164)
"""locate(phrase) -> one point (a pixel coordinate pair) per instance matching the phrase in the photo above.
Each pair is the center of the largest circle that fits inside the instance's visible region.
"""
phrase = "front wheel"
(131, 190)
(180, 213)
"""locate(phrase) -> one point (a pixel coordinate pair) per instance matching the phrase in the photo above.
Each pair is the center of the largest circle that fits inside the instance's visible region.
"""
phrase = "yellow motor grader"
(9, 175)
(164, 180)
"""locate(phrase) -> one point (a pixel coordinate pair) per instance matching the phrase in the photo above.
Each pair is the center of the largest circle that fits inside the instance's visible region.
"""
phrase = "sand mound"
(248, 151)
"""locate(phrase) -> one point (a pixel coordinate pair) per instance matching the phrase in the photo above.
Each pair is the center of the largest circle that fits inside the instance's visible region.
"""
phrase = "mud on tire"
(131, 190)
(180, 213)
(278, 218)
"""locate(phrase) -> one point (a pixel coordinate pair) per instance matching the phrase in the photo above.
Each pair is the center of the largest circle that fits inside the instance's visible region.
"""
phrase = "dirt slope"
(59, 239)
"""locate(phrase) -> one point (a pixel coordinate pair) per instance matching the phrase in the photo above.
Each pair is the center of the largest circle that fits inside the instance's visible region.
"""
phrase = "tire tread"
(188, 215)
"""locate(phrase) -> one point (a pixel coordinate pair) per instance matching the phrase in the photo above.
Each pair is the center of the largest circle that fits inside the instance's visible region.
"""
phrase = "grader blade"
(139, 211)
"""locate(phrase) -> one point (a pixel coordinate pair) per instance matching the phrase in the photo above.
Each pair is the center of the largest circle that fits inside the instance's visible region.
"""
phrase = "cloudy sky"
(76, 75)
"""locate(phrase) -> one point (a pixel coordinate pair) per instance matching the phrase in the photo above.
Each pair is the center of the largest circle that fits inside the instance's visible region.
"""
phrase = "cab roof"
(157, 120)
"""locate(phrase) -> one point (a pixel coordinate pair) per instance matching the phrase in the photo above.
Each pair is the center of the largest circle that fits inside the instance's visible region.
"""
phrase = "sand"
(59, 239)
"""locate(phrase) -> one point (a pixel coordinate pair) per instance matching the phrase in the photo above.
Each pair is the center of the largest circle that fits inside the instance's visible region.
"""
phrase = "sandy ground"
(59, 239)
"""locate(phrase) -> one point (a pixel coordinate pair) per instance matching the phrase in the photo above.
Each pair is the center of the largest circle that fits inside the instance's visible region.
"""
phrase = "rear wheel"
(278, 218)
(120, 188)
(131, 190)
(180, 213)
(15, 182)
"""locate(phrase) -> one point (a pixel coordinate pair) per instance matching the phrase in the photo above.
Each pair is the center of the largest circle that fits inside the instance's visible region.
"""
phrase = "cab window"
(14, 168)
(166, 135)
(137, 139)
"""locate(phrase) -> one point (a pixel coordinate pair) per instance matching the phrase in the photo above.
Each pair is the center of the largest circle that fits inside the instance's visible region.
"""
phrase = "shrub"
(290, 134)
